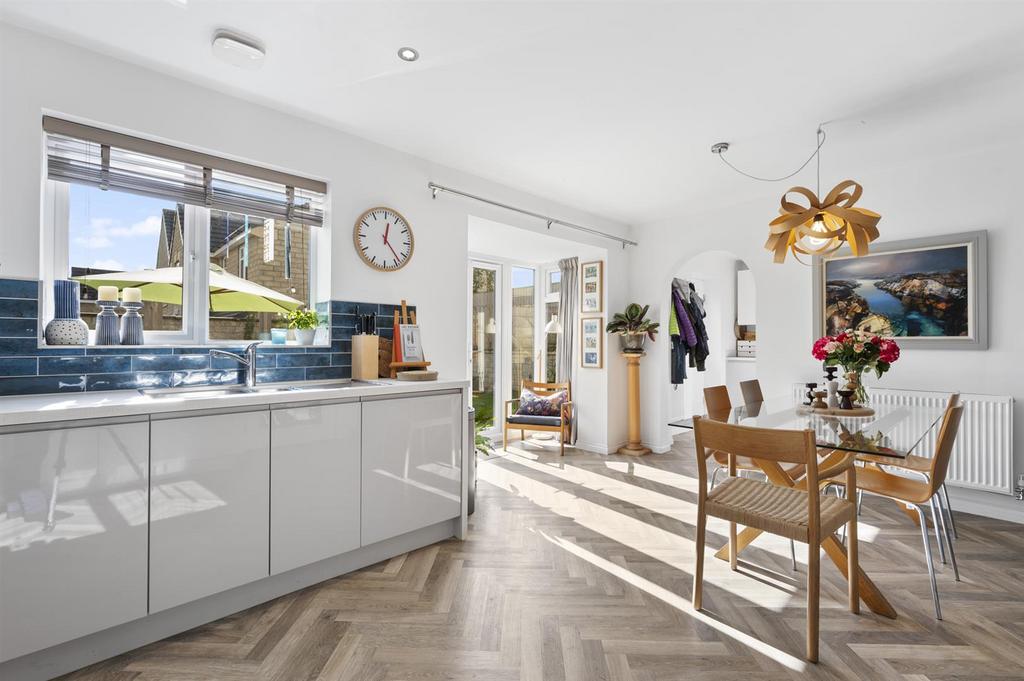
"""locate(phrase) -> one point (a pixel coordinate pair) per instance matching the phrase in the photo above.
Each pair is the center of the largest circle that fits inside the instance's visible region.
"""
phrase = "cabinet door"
(314, 483)
(209, 505)
(72, 532)
(412, 464)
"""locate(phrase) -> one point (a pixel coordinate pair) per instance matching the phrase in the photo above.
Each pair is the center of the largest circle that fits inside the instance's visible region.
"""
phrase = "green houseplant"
(633, 327)
(305, 323)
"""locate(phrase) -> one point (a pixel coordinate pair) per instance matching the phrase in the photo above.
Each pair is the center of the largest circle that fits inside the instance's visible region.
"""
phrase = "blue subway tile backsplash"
(25, 368)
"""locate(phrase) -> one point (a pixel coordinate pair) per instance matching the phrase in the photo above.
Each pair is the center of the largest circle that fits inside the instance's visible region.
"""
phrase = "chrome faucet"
(248, 361)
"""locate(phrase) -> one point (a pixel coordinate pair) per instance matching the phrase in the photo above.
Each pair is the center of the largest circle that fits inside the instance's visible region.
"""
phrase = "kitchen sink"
(213, 390)
(227, 390)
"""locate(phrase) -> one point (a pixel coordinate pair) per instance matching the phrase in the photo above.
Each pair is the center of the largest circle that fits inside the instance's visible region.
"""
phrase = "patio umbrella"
(228, 293)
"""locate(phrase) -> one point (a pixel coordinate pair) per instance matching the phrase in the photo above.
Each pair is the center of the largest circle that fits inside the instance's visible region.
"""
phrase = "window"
(554, 280)
(112, 232)
(127, 212)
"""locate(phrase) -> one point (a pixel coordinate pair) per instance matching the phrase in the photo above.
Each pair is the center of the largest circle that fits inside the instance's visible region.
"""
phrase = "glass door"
(485, 343)
(523, 327)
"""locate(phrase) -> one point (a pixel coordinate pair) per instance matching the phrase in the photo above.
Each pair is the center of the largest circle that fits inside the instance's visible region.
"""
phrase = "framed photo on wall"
(591, 286)
(926, 293)
(592, 342)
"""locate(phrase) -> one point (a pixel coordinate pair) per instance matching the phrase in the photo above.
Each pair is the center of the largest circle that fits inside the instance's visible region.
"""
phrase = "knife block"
(364, 357)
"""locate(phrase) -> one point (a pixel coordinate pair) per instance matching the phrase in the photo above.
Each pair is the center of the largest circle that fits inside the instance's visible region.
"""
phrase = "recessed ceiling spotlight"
(238, 51)
(408, 54)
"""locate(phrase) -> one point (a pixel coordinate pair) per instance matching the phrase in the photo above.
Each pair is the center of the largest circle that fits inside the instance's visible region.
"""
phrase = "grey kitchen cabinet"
(209, 503)
(72, 530)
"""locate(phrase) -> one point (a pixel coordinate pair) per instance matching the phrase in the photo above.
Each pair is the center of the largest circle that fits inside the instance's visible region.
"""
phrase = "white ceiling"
(608, 106)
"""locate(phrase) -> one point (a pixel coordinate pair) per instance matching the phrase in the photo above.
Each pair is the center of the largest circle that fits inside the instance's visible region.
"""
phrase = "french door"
(485, 342)
(504, 335)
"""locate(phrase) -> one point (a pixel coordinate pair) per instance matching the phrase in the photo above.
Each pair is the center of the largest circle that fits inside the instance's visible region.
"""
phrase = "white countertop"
(26, 409)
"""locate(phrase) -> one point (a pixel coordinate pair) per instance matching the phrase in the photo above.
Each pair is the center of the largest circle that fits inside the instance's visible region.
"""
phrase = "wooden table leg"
(869, 593)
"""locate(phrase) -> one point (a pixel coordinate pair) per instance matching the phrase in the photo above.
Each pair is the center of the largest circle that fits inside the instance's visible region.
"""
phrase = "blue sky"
(113, 231)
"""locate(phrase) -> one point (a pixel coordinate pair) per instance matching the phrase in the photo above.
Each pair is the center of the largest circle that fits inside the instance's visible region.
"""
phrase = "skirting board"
(81, 652)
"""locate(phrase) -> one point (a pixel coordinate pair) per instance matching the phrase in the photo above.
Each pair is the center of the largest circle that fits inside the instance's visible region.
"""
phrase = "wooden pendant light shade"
(822, 227)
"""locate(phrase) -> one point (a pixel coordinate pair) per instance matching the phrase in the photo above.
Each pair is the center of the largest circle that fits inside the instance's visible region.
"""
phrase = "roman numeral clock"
(383, 239)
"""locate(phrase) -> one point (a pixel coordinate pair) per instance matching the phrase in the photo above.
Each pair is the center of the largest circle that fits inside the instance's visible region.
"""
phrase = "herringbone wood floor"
(580, 568)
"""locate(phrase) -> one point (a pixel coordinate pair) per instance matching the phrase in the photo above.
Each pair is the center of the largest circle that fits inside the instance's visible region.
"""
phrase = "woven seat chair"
(799, 515)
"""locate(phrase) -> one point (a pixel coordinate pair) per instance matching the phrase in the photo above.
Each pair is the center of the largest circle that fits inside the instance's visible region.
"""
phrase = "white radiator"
(983, 455)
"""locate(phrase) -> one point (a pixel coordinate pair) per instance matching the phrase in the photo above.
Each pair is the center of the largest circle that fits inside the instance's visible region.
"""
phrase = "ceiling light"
(408, 54)
(824, 225)
(238, 51)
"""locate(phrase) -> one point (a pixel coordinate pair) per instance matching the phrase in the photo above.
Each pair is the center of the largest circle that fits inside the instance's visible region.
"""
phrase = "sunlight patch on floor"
(670, 548)
(680, 603)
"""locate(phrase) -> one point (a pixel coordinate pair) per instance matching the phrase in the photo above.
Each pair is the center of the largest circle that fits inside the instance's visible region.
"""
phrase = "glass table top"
(893, 430)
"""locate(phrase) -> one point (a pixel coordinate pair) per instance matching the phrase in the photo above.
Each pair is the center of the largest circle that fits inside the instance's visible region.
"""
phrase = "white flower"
(858, 347)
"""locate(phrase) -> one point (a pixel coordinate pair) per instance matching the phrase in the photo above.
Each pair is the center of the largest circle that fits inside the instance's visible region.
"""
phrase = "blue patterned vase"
(108, 323)
(66, 327)
(131, 324)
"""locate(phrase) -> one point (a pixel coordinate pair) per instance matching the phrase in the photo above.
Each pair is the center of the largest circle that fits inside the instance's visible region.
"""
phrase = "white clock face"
(384, 239)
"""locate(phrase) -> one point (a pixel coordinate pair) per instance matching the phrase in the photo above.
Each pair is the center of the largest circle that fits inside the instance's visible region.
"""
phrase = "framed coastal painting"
(591, 286)
(927, 293)
(592, 342)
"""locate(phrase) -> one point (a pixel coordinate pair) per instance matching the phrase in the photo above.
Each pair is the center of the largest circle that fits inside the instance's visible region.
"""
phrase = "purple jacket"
(685, 325)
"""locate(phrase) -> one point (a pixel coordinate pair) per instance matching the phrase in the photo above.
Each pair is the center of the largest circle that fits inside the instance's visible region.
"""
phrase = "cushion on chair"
(532, 404)
(773, 508)
(519, 420)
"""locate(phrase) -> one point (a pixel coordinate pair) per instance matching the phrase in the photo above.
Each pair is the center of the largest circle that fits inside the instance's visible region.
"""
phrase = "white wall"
(40, 74)
(943, 193)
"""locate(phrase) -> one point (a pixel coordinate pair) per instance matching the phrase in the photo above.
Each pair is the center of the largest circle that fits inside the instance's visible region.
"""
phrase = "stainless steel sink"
(212, 391)
(225, 390)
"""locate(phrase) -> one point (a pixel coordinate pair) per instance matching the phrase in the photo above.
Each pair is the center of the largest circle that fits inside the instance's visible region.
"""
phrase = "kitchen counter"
(130, 517)
(50, 408)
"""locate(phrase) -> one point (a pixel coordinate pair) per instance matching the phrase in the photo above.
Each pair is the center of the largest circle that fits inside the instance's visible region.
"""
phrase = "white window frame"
(195, 324)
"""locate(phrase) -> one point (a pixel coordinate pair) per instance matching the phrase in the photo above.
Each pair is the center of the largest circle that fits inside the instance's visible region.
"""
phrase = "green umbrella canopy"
(228, 293)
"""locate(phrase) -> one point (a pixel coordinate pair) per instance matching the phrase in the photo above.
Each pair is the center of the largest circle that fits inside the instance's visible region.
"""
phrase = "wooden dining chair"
(800, 515)
(919, 493)
(751, 391)
(921, 466)
(718, 406)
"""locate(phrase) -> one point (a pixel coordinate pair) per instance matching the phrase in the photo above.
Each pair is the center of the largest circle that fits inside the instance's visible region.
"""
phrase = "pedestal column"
(634, 448)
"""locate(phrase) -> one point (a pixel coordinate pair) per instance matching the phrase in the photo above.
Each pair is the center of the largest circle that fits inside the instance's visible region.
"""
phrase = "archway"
(727, 293)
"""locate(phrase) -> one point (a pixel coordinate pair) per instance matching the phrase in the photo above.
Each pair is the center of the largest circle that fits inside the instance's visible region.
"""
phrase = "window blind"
(86, 155)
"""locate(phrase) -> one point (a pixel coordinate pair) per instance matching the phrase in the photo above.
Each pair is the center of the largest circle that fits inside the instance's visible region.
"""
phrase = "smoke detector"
(238, 51)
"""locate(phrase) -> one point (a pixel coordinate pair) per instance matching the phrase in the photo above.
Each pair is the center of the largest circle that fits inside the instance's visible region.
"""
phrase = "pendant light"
(821, 227)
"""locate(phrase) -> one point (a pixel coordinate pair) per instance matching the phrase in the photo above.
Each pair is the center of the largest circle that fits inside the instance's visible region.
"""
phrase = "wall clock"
(383, 239)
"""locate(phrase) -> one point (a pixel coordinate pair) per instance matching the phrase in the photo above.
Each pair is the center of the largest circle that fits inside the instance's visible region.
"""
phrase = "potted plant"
(633, 327)
(305, 323)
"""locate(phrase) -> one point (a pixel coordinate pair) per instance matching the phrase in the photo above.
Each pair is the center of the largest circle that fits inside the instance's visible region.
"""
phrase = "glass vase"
(854, 383)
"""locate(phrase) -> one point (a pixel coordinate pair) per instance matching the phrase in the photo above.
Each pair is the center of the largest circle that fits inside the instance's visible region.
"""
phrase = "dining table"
(890, 433)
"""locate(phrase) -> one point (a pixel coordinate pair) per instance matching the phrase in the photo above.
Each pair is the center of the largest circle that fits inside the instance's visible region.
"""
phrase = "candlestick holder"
(108, 323)
(131, 324)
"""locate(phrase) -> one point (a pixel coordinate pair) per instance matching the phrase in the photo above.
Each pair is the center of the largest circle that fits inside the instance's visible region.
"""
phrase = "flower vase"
(66, 327)
(854, 383)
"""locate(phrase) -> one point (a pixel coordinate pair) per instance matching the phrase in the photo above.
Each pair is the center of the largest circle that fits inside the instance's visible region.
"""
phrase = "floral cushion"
(532, 404)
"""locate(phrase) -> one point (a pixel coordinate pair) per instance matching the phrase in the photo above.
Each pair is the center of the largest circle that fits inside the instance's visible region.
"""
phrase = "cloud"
(93, 241)
(148, 227)
(100, 231)
(109, 264)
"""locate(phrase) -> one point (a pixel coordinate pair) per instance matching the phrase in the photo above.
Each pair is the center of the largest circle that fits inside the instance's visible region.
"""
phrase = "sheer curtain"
(568, 295)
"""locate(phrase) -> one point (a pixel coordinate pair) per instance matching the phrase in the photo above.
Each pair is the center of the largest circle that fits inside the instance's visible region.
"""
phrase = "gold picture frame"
(592, 342)
(592, 287)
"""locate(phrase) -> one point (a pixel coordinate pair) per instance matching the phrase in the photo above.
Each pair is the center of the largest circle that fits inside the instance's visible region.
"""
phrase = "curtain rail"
(435, 188)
